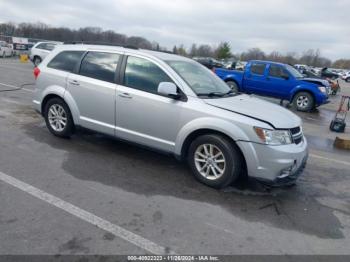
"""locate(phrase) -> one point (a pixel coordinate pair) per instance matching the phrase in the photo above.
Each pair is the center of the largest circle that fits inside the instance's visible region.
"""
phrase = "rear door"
(255, 78)
(93, 88)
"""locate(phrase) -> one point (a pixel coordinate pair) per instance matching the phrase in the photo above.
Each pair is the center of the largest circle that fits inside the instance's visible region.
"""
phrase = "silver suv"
(170, 103)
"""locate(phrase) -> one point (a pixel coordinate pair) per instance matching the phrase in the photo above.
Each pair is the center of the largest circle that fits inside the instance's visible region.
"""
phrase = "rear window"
(46, 46)
(100, 66)
(257, 68)
(66, 60)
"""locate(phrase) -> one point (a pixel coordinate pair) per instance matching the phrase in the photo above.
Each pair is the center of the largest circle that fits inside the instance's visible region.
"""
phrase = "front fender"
(215, 124)
(302, 88)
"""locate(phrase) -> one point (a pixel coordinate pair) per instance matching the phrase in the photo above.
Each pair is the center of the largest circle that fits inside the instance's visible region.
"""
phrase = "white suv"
(170, 103)
(40, 50)
(5, 49)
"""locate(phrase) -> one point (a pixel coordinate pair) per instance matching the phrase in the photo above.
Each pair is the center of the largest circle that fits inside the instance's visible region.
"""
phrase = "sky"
(282, 25)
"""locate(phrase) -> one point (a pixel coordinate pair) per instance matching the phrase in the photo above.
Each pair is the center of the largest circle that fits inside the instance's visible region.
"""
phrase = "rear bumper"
(275, 165)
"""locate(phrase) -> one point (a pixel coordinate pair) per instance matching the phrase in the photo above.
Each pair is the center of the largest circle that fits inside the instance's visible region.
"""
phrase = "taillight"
(36, 72)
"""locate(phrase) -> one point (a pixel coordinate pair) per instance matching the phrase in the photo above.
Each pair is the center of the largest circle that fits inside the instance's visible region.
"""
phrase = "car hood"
(317, 81)
(259, 109)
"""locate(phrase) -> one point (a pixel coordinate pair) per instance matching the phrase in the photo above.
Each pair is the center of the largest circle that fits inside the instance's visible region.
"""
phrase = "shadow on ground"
(95, 157)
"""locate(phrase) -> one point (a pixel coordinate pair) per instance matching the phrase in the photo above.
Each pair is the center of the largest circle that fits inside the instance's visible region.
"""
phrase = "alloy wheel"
(57, 117)
(302, 101)
(210, 161)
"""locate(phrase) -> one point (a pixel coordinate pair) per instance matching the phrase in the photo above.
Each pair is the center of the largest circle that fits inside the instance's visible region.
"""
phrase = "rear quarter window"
(257, 68)
(66, 60)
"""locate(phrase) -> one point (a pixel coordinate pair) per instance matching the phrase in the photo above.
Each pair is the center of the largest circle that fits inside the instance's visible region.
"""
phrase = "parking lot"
(94, 195)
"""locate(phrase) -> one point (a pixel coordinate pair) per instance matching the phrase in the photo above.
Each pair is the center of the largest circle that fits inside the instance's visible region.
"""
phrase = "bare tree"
(253, 54)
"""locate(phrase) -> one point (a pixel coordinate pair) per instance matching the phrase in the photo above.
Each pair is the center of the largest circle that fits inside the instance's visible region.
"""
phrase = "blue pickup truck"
(279, 81)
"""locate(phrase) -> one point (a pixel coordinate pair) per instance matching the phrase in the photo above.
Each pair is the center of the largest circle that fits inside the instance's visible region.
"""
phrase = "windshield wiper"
(211, 94)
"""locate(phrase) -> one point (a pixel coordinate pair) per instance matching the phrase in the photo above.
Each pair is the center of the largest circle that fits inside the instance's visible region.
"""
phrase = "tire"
(56, 126)
(37, 60)
(233, 85)
(303, 101)
(227, 166)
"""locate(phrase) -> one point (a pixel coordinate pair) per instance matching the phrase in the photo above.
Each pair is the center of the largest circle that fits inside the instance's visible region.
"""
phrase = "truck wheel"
(303, 101)
(58, 118)
(214, 160)
(233, 86)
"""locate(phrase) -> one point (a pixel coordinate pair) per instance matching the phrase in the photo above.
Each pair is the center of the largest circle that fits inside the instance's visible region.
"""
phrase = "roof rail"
(98, 43)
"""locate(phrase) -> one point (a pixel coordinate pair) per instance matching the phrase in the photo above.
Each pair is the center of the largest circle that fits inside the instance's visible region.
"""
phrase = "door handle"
(125, 95)
(74, 82)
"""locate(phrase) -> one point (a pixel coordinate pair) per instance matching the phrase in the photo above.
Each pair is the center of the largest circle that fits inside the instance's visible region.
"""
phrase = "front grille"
(295, 130)
(297, 135)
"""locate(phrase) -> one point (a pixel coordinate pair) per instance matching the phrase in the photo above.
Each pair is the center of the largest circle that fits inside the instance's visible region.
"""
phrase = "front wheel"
(214, 160)
(303, 101)
(58, 118)
(233, 86)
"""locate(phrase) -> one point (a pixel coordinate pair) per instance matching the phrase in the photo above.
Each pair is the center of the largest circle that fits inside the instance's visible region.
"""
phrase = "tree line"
(223, 50)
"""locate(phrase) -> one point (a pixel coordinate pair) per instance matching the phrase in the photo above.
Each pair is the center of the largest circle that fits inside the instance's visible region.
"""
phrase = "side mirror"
(168, 89)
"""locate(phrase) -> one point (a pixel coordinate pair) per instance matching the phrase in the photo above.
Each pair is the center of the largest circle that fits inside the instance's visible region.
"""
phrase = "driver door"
(142, 115)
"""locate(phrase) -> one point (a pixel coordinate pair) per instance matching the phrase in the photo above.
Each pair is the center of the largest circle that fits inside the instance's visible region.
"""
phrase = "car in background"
(173, 104)
(301, 67)
(334, 84)
(229, 63)
(5, 49)
(277, 80)
(326, 73)
(240, 65)
(346, 76)
(40, 50)
(209, 62)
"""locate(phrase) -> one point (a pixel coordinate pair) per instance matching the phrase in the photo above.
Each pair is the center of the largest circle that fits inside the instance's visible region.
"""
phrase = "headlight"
(322, 89)
(273, 137)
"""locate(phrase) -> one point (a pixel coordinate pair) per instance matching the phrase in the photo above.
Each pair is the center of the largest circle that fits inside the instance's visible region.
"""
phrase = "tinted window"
(100, 66)
(257, 69)
(49, 46)
(277, 71)
(144, 75)
(46, 46)
(66, 60)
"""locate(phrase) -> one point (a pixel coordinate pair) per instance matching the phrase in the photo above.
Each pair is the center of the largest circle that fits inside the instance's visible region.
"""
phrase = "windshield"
(294, 72)
(202, 81)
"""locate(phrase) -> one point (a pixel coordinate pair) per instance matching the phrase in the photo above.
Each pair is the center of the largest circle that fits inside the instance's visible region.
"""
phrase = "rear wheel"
(37, 61)
(58, 118)
(233, 86)
(303, 101)
(214, 160)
